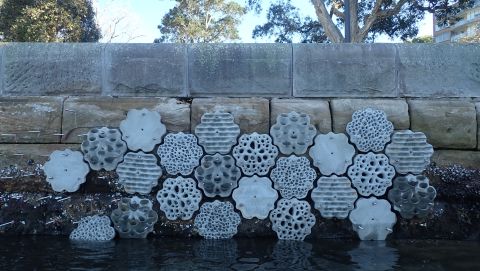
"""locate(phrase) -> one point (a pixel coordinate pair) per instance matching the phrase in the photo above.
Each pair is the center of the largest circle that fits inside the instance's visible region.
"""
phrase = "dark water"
(56, 253)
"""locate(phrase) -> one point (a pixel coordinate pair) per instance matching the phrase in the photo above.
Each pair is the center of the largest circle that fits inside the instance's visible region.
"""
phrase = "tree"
(201, 21)
(422, 39)
(368, 18)
(48, 21)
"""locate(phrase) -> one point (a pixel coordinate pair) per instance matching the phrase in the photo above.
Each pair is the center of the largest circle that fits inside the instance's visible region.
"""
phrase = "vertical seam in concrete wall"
(476, 122)
(291, 69)
(186, 89)
(331, 114)
(104, 71)
(61, 119)
(409, 113)
(397, 71)
(2, 71)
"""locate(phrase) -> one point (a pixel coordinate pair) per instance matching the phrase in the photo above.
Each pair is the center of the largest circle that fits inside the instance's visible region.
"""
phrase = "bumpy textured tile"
(409, 152)
(334, 197)
(372, 218)
(134, 217)
(103, 148)
(293, 133)
(369, 130)
(179, 198)
(255, 197)
(66, 170)
(293, 177)
(371, 174)
(217, 175)
(217, 132)
(93, 228)
(292, 219)
(142, 129)
(412, 196)
(332, 153)
(255, 153)
(139, 172)
(179, 153)
(217, 220)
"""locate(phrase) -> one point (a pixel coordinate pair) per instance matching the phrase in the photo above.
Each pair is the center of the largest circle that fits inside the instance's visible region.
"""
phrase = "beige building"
(465, 27)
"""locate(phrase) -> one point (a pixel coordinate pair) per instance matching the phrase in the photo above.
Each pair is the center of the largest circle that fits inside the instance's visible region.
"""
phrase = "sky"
(136, 21)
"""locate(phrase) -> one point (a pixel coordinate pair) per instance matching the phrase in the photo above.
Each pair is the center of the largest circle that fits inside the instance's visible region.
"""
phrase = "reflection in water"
(289, 255)
(374, 255)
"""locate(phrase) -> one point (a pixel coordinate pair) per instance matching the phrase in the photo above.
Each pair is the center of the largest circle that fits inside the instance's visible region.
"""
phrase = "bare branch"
(331, 30)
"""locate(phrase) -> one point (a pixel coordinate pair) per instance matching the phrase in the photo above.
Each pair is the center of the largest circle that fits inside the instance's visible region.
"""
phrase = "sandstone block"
(466, 159)
(27, 155)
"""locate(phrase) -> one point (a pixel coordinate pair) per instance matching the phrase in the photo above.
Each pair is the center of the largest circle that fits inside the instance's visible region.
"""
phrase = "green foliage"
(48, 21)
(201, 21)
(422, 39)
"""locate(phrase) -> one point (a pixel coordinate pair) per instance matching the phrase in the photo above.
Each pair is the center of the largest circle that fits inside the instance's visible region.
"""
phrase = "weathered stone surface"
(423, 70)
(241, 70)
(251, 114)
(477, 108)
(24, 155)
(30, 119)
(80, 114)
(344, 70)
(447, 124)
(318, 110)
(145, 70)
(396, 110)
(52, 69)
(466, 159)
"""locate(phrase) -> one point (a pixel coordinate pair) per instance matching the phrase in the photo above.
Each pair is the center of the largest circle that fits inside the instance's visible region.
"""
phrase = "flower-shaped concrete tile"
(255, 153)
(217, 175)
(66, 170)
(332, 153)
(180, 153)
(292, 219)
(179, 198)
(139, 172)
(217, 220)
(255, 197)
(371, 174)
(142, 129)
(372, 218)
(134, 217)
(103, 148)
(217, 132)
(334, 196)
(93, 228)
(369, 130)
(293, 133)
(293, 177)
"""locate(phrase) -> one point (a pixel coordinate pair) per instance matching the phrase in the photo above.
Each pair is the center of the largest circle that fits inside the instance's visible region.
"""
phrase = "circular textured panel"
(142, 129)
(372, 218)
(134, 217)
(255, 153)
(293, 176)
(371, 174)
(103, 148)
(93, 228)
(292, 219)
(217, 132)
(217, 175)
(412, 196)
(334, 196)
(180, 153)
(369, 130)
(139, 172)
(255, 197)
(293, 133)
(332, 153)
(217, 220)
(409, 152)
(179, 198)
(66, 170)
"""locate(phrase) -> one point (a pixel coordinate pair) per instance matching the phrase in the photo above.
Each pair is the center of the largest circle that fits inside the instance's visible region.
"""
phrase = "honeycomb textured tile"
(217, 220)
(369, 130)
(372, 218)
(293, 177)
(255, 197)
(334, 197)
(179, 198)
(142, 129)
(371, 174)
(93, 228)
(66, 170)
(292, 219)
(217, 175)
(139, 172)
(412, 196)
(332, 154)
(409, 152)
(217, 132)
(103, 148)
(293, 133)
(179, 153)
(255, 153)
(134, 217)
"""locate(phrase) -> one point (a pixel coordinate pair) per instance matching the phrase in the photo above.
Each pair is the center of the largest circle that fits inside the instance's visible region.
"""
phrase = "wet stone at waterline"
(255, 197)
(255, 153)
(103, 148)
(65, 170)
(292, 219)
(293, 177)
(93, 228)
(179, 153)
(331, 153)
(139, 172)
(217, 132)
(134, 217)
(334, 197)
(372, 218)
(217, 220)
(179, 198)
(217, 175)
(412, 196)
(142, 129)
(369, 130)
(293, 133)
(371, 174)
